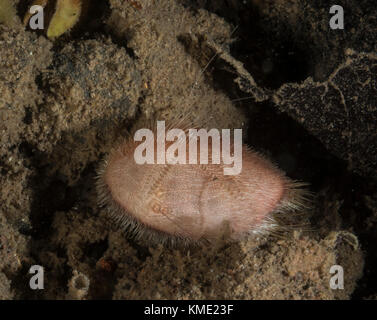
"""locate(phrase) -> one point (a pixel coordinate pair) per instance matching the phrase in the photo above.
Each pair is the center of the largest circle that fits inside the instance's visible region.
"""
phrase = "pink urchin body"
(195, 201)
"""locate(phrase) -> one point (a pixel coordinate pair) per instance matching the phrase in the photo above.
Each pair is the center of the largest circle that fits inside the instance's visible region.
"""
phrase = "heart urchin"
(194, 202)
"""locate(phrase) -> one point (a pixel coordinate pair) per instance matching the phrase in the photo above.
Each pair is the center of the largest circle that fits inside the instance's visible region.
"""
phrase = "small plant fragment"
(61, 15)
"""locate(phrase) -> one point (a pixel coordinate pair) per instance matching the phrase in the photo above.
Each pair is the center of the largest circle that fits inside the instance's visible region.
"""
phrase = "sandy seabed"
(305, 96)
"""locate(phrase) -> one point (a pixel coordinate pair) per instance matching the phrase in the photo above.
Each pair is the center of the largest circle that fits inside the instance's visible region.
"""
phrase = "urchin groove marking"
(155, 203)
(157, 182)
(157, 208)
(229, 179)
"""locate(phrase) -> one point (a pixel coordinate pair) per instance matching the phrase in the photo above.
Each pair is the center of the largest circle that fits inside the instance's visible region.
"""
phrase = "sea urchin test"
(162, 184)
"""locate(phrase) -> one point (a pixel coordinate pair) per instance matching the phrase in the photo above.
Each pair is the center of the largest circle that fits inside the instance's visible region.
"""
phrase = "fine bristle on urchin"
(293, 211)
